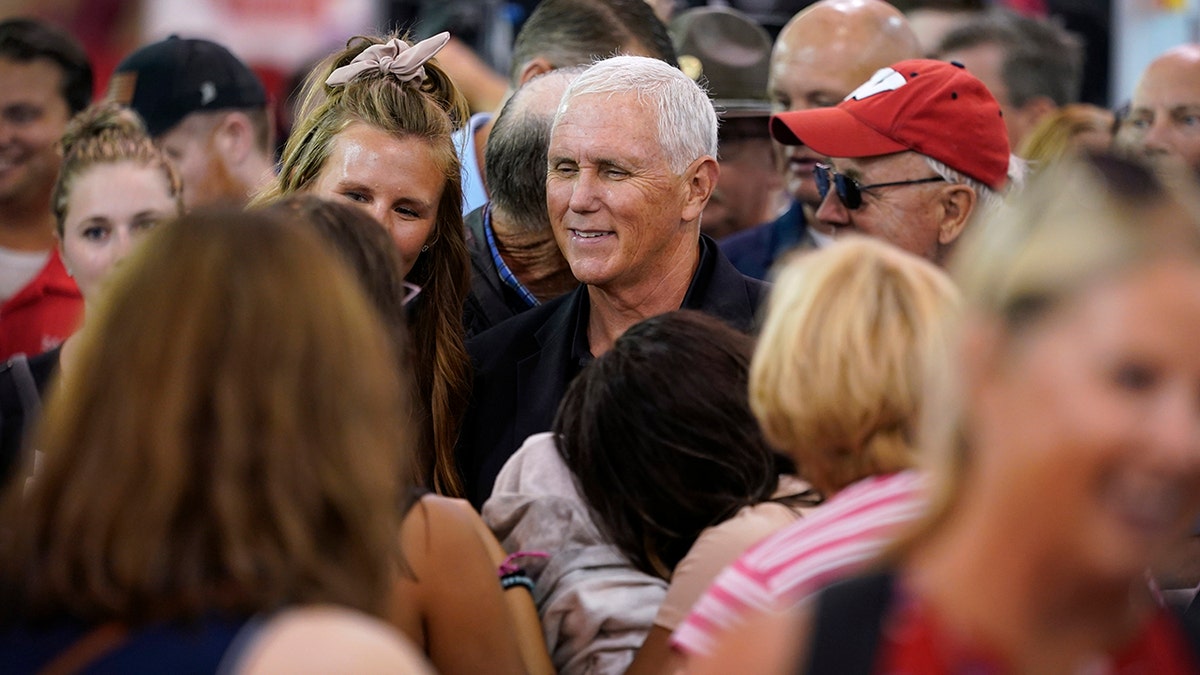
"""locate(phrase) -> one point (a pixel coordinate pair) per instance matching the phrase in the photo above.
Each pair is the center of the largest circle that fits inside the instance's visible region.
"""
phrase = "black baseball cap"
(168, 80)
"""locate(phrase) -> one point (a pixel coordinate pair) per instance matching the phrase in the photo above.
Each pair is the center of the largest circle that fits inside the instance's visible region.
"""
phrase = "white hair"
(687, 122)
(987, 199)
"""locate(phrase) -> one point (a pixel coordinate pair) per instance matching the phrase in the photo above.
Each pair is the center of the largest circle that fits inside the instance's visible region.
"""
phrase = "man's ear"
(234, 138)
(701, 178)
(957, 205)
(532, 68)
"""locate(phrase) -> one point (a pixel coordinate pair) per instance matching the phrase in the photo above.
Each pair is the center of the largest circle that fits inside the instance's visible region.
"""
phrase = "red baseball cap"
(931, 107)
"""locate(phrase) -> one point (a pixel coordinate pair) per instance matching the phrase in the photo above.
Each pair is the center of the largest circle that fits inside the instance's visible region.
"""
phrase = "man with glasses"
(821, 55)
(914, 152)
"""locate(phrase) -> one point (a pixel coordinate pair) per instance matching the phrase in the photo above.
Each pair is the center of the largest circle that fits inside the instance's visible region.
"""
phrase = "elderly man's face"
(614, 203)
(1165, 118)
(906, 216)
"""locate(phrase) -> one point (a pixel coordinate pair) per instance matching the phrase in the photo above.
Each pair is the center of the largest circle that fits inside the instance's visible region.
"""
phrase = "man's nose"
(584, 192)
(1176, 431)
(832, 211)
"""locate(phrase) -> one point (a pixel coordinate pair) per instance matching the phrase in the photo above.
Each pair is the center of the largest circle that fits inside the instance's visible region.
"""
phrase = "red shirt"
(42, 314)
(915, 641)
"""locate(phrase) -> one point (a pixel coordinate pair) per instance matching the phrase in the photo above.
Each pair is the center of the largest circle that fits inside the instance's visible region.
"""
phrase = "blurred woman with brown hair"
(375, 131)
(213, 492)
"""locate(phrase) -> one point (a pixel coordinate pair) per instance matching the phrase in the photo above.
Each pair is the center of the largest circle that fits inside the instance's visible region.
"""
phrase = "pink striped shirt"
(834, 540)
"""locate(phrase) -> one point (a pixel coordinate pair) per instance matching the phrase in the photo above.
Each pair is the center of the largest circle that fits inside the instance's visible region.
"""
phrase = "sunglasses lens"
(848, 191)
(821, 174)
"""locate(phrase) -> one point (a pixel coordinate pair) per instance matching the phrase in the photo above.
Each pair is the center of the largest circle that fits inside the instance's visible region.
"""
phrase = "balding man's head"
(821, 55)
(1165, 115)
(515, 158)
(848, 40)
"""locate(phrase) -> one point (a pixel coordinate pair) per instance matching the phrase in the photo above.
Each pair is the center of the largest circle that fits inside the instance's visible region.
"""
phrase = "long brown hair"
(429, 111)
(231, 437)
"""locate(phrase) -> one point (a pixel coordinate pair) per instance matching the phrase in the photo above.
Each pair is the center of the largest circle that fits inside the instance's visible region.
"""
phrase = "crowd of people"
(843, 351)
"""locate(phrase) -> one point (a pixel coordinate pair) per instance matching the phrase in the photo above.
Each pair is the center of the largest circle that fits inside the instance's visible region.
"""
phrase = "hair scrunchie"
(395, 57)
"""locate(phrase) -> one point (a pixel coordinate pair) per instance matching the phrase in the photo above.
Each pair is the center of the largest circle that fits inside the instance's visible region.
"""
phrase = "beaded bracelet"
(516, 579)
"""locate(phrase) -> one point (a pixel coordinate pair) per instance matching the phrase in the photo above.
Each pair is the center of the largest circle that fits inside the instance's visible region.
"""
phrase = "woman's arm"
(483, 87)
(528, 625)
(765, 644)
(452, 602)
(656, 656)
(715, 549)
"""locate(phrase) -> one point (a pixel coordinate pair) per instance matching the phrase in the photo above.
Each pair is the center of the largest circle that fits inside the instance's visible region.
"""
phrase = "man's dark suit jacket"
(523, 366)
(756, 250)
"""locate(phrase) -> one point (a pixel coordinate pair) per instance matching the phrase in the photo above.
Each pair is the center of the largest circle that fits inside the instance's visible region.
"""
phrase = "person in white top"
(673, 474)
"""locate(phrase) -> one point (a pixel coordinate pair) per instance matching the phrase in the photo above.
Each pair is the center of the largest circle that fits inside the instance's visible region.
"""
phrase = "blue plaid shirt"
(506, 274)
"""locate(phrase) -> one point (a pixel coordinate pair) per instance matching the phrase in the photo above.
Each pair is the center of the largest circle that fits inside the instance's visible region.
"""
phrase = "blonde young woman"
(375, 132)
(1066, 445)
(114, 186)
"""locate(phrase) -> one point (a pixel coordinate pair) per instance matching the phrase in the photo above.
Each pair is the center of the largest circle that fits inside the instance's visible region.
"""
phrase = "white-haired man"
(631, 165)
(913, 153)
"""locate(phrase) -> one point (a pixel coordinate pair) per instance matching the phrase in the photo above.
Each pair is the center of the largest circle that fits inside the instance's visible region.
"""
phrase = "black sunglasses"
(848, 189)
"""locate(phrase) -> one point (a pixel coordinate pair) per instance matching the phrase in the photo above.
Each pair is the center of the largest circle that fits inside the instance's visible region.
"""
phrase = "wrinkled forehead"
(604, 108)
(603, 128)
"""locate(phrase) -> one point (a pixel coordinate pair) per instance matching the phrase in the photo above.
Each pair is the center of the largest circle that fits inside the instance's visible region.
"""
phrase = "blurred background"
(281, 38)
